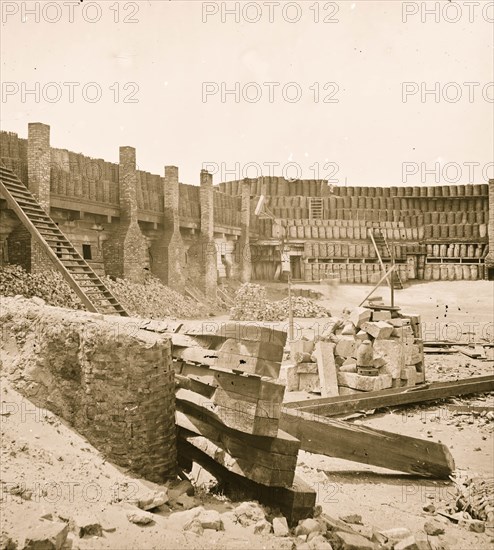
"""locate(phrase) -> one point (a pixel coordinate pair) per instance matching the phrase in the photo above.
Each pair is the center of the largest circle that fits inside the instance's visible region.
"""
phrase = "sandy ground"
(68, 477)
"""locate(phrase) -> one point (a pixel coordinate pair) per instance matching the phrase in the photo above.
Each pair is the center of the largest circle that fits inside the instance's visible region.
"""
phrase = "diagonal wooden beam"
(339, 439)
(345, 404)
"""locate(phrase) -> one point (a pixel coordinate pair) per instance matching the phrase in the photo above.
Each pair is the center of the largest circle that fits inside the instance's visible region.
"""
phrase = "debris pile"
(251, 304)
(366, 349)
(476, 497)
(151, 299)
(48, 285)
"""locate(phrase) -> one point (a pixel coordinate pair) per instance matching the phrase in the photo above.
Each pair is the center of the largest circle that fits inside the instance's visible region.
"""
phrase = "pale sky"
(170, 52)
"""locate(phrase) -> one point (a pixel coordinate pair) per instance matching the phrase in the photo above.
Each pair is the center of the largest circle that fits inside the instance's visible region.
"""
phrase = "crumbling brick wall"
(113, 382)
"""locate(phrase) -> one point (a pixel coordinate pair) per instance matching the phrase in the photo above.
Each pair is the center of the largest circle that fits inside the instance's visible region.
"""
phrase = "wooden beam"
(339, 439)
(344, 404)
(295, 503)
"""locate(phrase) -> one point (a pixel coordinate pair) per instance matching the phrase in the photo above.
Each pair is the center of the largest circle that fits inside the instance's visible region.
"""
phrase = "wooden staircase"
(383, 251)
(81, 278)
(315, 208)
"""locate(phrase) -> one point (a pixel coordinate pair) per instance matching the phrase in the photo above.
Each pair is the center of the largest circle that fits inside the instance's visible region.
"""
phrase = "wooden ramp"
(81, 278)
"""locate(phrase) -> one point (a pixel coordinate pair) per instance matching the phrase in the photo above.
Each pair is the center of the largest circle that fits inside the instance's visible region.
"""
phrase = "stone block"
(409, 374)
(47, 535)
(394, 355)
(86, 525)
(379, 330)
(360, 315)
(364, 383)
(349, 367)
(210, 519)
(350, 541)
(309, 382)
(361, 336)
(419, 377)
(381, 315)
(307, 368)
(291, 378)
(408, 543)
(280, 527)
(346, 347)
(326, 367)
(348, 330)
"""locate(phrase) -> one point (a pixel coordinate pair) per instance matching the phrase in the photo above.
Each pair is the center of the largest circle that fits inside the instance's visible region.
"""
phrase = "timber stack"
(229, 405)
(334, 363)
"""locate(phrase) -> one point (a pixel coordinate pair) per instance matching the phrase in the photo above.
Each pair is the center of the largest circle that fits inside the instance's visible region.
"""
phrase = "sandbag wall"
(13, 153)
(150, 192)
(78, 176)
(189, 206)
(438, 233)
(226, 209)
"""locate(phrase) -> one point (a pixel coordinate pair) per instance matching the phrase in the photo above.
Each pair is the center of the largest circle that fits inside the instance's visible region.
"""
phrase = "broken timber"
(339, 439)
(243, 402)
(344, 404)
(335, 438)
(296, 502)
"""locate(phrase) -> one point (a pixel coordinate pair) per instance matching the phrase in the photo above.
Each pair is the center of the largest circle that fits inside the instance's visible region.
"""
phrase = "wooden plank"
(258, 467)
(295, 503)
(339, 439)
(248, 364)
(282, 444)
(253, 418)
(241, 383)
(470, 409)
(324, 354)
(473, 353)
(237, 330)
(345, 404)
(262, 350)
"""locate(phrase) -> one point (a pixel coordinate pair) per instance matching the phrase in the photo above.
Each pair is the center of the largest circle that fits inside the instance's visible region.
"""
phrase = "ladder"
(381, 246)
(81, 278)
(315, 208)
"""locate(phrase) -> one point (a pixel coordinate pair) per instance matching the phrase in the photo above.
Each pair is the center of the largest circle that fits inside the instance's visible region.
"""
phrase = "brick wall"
(111, 381)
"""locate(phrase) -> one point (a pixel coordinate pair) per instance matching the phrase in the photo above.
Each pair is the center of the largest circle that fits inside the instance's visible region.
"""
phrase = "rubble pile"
(476, 497)
(251, 304)
(153, 300)
(365, 349)
(48, 285)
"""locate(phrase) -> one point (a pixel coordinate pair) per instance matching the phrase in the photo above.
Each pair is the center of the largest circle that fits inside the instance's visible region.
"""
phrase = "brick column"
(38, 162)
(126, 251)
(489, 260)
(38, 181)
(208, 245)
(245, 260)
(169, 252)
